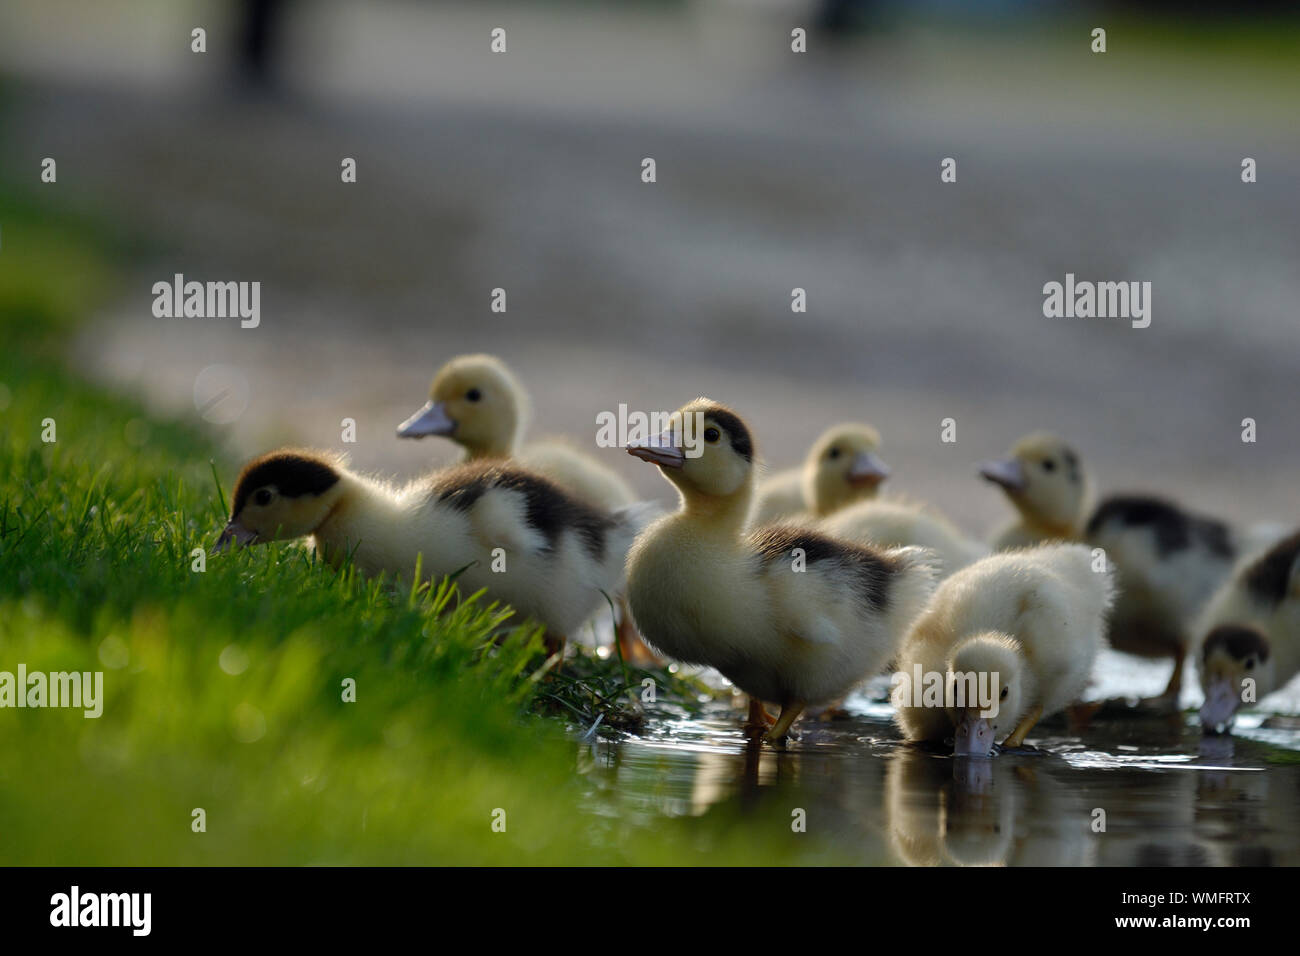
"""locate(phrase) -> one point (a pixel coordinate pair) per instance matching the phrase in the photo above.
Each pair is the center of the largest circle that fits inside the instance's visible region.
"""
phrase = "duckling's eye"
(833, 453)
(1003, 695)
(473, 395)
(711, 435)
(1250, 663)
(1049, 464)
(262, 497)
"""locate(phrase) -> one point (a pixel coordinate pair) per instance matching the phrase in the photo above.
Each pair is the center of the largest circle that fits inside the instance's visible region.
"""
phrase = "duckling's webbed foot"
(1168, 698)
(555, 646)
(835, 711)
(1158, 705)
(1024, 750)
(790, 710)
(759, 720)
(633, 648)
(1017, 739)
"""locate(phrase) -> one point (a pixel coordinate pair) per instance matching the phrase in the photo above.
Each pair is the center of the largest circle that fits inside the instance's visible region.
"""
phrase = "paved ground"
(774, 171)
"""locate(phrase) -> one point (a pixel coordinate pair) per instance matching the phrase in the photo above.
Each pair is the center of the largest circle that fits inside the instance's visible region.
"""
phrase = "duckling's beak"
(973, 737)
(1220, 707)
(663, 451)
(1006, 472)
(233, 532)
(867, 469)
(973, 776)
(432, 419)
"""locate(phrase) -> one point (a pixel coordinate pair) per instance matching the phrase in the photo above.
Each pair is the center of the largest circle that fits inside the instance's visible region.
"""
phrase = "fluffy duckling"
(842, 467)
(479, 403)
(1020, 628)
(1168, 563)
(1045, 481)
(1168, 560)
(556, 552)
(1252, 631)
(788, 615)
(894, 523)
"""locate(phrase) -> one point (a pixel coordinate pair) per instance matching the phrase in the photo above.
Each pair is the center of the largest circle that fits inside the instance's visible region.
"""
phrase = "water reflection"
(1127, 793)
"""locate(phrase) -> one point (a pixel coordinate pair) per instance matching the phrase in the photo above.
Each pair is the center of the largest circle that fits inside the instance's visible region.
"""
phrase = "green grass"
(223, 687)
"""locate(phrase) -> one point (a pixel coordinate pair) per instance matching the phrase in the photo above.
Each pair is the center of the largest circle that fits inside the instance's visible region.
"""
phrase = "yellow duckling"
(894, 523)
(842, 467)
(1252, 633)
(1046, 483)
(530, 544)
(788, 615)
(1002, 643)
(1167, 560)
(477, 402)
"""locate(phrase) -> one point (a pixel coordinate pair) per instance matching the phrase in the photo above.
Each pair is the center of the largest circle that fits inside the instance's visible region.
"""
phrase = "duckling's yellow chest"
(688, 595)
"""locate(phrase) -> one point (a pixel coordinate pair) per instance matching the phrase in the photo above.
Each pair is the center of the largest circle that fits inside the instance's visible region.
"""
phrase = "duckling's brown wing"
(547, 511)
(867, 572)
(1173, 528)
(1268, 577)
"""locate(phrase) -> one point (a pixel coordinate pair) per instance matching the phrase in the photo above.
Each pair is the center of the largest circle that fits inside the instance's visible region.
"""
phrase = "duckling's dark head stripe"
(1071, 465)
(741, 442)
(870, 572)
(1174, 528)
(548, 509)
(1237, 642)
(1269, 577)
(293, 474)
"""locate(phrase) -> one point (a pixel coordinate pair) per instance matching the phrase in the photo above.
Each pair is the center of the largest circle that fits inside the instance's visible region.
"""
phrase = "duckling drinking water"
(1034, 619)
(1251, 630)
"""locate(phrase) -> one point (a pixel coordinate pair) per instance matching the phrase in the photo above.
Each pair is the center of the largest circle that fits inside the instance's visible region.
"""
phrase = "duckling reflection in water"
(962, 811)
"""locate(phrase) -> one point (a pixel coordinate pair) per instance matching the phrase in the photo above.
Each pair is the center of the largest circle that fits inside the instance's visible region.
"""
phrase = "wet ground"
(1149, 791)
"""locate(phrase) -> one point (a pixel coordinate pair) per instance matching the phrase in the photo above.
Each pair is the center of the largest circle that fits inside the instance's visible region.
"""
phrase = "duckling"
(1251, 632)
(557, 551)
(1022, 628)
(479, 403)
(789, 615)
(1167, 560)
(897, 523)
(842, 467)
(1168, 563)
(1047, 485)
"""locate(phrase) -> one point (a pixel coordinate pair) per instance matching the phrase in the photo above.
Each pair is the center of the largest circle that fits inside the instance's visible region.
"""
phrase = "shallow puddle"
(1127, 791)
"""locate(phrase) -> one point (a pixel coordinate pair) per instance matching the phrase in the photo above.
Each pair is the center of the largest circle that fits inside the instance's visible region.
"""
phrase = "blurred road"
(774, 171)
